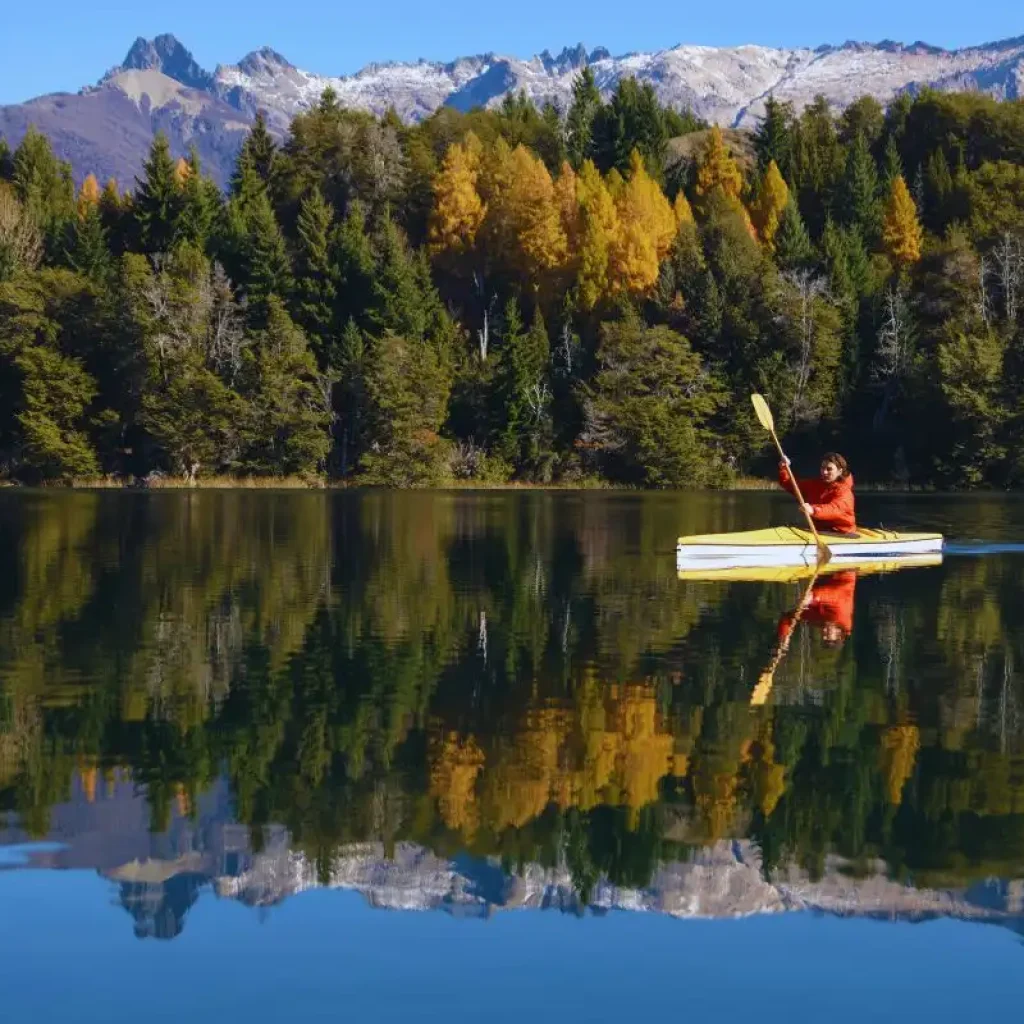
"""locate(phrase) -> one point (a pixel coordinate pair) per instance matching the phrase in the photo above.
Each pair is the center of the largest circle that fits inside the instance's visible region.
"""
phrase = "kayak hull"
(791, 546)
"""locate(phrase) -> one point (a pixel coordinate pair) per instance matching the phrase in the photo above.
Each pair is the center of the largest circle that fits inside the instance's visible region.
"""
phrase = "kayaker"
(829, 499)
(829, 605)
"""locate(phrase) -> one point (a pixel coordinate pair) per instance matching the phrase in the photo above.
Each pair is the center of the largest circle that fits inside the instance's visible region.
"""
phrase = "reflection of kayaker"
(828, 604)
(828, 499)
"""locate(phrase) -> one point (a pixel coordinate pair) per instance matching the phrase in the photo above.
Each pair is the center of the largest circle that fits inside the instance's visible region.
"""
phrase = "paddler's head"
(833, 634)
(834, 467)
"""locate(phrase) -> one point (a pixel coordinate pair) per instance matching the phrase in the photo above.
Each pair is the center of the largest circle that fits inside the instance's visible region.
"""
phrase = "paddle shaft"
(799, 497)
(764, 681)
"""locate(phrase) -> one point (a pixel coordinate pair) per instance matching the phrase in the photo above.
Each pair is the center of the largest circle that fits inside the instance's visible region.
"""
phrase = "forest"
(580, 296)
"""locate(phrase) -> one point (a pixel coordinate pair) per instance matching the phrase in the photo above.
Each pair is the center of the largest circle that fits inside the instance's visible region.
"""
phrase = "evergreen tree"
(316, 284)
(88, 249)
(579, 122)
(633, 119)
(199, 204)
(290, 402)
(525, 363)
(859, 203)
(267, 269)
(793, 247)
(43, 185)
(773, 139)
(158, 199)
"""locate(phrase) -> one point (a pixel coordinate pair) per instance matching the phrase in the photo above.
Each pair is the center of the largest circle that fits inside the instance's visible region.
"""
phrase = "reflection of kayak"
(721, 569)
(791, 546)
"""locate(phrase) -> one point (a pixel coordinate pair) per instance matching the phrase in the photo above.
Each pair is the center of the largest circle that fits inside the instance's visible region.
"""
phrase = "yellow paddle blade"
(761, 691)
(764, 414)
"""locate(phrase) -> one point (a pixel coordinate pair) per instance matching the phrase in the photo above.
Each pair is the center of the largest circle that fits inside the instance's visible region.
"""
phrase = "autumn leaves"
(501, 211)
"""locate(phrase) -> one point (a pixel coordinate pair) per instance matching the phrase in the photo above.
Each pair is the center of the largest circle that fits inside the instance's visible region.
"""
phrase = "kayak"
(720, 569)
(793, 546)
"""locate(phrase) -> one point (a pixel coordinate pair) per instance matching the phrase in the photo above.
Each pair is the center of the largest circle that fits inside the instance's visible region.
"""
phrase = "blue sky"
(64, 44)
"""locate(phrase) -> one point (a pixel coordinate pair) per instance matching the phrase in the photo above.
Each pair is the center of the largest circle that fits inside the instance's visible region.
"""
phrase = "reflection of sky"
(68, 954)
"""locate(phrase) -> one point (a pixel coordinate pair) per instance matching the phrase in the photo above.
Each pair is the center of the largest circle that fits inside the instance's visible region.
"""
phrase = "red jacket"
(831, 601)
(832, 504)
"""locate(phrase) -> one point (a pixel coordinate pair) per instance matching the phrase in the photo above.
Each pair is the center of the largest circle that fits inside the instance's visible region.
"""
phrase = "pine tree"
(44, 186)
(353, 258)
(793, 248)
(525, 361)
(859, 191)
(772, 200)
(200, 204)
(291, 402)
(579, 122)
(6, 161)
(158, 199)
(892, 163)
(316, 284)
(88, 249)
(267, 268)
(261, 149)
(901, 231)
(773, 139)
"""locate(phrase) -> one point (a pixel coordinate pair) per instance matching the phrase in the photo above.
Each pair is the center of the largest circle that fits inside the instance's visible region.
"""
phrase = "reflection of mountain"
(166, 874)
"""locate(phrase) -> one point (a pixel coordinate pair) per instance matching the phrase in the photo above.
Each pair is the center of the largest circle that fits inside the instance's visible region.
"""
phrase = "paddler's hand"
(808, 509)
(785, 463)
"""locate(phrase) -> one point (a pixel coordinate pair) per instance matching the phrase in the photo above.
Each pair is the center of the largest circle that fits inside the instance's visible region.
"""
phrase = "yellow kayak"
(780, 547)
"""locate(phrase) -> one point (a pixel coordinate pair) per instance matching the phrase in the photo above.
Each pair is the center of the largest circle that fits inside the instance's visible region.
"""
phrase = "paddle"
(765, 679)
(764, 416)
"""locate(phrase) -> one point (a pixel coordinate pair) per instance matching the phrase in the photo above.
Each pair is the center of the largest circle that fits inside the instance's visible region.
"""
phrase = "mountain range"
(106, 128)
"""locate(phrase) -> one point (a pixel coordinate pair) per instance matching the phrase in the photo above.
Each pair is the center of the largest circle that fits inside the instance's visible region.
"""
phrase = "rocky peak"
(265, 60)
(166, 54)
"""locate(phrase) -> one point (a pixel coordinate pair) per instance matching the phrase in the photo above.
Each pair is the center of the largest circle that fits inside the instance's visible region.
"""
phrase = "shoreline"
(740, 485)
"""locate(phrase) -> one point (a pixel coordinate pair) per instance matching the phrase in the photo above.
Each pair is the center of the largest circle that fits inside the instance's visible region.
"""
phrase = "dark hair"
(837, 460)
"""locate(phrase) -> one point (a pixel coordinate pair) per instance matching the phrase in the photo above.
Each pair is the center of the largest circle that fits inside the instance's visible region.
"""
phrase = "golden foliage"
(900, 744)
(523, 223)
(770, 205)
(458, 210)
(901, 230)
(717, 169)
(88, 195)
(647, 227)
(599, 227)
(682, 210)
(455, 763)
(181, 172)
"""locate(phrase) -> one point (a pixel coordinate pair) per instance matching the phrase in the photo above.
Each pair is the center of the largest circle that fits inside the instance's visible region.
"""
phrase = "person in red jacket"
(828, 605)
(829, 499)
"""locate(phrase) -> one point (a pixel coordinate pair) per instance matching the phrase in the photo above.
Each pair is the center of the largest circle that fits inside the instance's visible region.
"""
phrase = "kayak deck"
(790, 545)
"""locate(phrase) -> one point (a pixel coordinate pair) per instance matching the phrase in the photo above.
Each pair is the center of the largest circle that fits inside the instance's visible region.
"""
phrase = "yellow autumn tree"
(88, 195)
(647, 227)
(901, 230)
(770, 204)
(599, 227)
(458, 210)
(682, 210)
(523, 222)
(455, 763)
(181, 172)
(717, 169)
(900, 744)
(567, 202)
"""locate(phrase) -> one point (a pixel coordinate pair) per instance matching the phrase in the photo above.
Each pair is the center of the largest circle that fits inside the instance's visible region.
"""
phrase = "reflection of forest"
(510, 675)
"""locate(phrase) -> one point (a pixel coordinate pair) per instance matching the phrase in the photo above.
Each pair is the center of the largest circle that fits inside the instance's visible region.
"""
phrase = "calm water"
(237, 728)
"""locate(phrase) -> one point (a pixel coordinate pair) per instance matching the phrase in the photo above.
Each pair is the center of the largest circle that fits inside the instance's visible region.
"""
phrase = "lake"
(485, 755)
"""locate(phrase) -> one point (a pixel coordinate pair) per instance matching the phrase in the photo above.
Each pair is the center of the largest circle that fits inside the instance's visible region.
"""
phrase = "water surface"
(235, 728)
